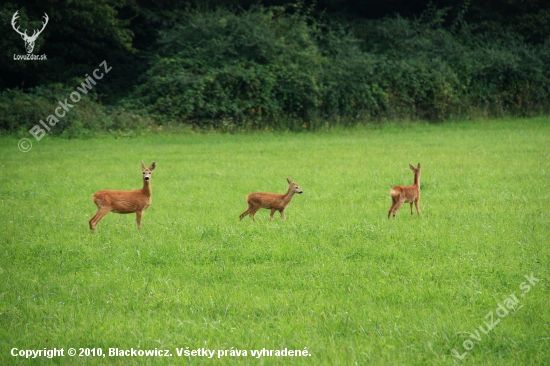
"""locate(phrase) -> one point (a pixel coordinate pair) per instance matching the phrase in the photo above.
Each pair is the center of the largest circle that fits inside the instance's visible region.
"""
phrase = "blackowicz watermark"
(65, 106)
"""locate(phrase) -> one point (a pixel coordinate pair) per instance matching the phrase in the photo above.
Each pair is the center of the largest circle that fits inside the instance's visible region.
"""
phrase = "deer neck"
(288, 195)
(147, 188)
(417, 179)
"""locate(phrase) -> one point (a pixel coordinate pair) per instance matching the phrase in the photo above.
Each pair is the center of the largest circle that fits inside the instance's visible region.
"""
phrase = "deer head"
(29, 41)
(147, 171)
(293, 186)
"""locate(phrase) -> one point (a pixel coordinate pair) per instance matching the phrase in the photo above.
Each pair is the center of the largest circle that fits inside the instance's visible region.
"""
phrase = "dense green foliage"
(283, 67)
(336, 277)
(431, 72)
(220, 66)
(24, 110)
(79, 34)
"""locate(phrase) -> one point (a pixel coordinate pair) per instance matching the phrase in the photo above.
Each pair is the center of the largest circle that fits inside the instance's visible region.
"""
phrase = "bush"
(20, 111)
(264, 66)
(282, 68)
(434, 73)
(250, 68)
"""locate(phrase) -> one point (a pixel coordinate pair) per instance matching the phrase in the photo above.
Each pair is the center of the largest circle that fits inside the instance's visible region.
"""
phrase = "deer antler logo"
(29, 41)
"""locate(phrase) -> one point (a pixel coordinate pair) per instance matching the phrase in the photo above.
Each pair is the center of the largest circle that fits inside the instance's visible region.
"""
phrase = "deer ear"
(290, 181)
(418, 166)
(152, 166)
(412, 167)
(143, 165)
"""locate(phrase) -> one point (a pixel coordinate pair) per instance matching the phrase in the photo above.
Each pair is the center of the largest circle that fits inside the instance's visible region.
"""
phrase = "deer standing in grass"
(402, 194)
(124, 202)
(272, 201)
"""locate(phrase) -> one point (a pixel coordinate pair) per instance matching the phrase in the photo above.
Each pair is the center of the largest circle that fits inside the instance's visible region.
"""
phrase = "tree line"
(230, 64)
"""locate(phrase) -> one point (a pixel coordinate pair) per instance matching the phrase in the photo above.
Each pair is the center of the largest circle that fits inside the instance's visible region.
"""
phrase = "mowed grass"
(337, 277)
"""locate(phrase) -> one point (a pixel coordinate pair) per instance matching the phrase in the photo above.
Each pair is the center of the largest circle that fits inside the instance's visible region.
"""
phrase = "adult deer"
(29, 40)
(272, 201)
(402, 194)
(124, 202)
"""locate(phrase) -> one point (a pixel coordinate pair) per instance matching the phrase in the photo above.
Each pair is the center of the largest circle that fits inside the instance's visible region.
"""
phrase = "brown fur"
(402, 194)
(124, 202)
(272, 201)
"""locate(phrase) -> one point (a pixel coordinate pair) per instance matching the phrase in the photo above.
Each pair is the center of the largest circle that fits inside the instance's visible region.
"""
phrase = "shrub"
(282, 68)
(20, 111)
(221, 66)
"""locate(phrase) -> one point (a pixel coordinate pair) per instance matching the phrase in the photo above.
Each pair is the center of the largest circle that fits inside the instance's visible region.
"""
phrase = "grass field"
(337, 278)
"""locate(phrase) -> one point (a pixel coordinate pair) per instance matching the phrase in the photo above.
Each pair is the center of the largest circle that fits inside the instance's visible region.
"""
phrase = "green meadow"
(337, 283)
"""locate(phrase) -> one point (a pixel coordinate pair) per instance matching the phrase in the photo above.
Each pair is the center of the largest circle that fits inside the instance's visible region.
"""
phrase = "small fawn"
(272, 201)
(401, 194)
(124, 202)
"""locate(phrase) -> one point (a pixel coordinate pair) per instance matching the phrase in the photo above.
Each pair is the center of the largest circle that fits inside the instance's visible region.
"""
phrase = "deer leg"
(91, 220)
(397, 206)
(417, 209)
(243, 215)
(412, 208)
(392, 208)
(246, 212)
(253, 211)
(271, 214)
(138, 218)
(102, 211)
(283, 214)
